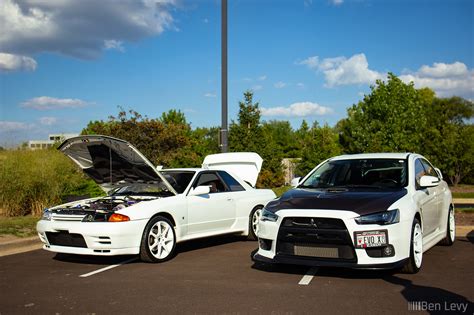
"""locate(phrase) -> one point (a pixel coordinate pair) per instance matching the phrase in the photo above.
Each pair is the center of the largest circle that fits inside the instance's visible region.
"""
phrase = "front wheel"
(413, 264)
(253, 222)
(450, 229)
(158, 240)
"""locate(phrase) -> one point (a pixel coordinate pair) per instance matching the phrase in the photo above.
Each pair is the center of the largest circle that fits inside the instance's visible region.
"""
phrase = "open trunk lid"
(245, 165)
(111, 162)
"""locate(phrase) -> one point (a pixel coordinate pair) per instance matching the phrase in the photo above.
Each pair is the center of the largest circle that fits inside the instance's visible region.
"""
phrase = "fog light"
(265, 244)
(389, 251)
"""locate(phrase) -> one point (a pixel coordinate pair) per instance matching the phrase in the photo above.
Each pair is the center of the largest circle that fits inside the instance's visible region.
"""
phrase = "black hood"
(361, 202)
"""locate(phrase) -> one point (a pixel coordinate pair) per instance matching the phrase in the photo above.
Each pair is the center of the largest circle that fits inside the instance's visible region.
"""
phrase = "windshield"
(178, 179)
(359, 173)
(158, 189)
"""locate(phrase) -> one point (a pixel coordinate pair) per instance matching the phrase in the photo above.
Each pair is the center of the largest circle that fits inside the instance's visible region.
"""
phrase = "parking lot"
(217, 275)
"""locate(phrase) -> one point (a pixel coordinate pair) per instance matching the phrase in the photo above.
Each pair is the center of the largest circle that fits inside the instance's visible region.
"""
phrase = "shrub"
(33, 180)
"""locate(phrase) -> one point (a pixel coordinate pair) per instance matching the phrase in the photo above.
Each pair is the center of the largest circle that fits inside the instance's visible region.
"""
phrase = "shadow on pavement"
(208, 242)
(470, 236)
(94, 260)
(430, 299)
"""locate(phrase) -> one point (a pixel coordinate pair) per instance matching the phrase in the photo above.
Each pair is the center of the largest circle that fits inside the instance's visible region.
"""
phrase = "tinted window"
(179, 180)
(230, 181)
(379, 173)
(210, 179)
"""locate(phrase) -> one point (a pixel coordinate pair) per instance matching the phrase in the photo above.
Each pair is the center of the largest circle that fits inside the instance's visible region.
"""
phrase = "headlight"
(383, 218)
(46, 215)
(268, 216)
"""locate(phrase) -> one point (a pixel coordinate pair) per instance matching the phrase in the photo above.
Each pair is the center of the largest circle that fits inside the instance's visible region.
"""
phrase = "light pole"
(224, 129)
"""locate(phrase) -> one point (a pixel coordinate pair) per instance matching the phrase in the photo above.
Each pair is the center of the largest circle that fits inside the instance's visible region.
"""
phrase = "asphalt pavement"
(217, 275)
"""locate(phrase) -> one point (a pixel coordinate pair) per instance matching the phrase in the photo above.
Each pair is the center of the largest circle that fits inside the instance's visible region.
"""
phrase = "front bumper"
(346, 255)
(91, 238)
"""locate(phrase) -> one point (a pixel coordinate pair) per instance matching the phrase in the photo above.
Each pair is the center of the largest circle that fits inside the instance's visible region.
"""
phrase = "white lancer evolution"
(379, 210)
(147, 211)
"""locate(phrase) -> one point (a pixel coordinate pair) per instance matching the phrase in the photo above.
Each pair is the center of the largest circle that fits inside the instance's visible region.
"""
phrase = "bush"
(33, 180)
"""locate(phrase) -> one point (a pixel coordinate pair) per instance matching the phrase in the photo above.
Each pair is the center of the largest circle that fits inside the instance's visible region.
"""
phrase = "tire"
(413, 265)
(450, 229)
(253, 223)
(158, 241)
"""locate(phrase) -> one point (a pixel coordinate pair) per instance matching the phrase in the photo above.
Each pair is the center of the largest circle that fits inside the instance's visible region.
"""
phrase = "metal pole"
(224, 131)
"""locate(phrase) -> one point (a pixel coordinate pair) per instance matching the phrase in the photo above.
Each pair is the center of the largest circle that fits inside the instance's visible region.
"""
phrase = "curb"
(32, 243)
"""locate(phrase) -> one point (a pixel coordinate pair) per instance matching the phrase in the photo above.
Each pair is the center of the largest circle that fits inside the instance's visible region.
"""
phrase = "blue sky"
(64, 63)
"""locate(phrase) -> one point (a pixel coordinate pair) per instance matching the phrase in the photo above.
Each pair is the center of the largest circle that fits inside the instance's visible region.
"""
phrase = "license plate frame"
(376, 238)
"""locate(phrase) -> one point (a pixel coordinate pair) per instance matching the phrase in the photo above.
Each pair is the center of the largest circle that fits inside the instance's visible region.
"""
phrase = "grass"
(468, 210)
(463, 194)
(18, 226)
(33, 180)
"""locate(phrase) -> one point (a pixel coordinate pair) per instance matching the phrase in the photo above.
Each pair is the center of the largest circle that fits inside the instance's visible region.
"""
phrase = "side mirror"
(429, 181)
(295, 181)
(200, 190)
(440, 175)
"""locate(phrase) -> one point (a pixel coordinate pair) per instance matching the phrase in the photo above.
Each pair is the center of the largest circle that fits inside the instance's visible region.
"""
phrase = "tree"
(321, 143)
(448, 140)
(247, 134)
(391, 118)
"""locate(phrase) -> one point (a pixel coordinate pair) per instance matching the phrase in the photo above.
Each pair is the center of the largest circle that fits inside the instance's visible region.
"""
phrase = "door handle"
(229, 199)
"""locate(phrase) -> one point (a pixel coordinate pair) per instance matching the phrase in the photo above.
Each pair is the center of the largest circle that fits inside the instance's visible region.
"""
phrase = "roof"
(372, 156)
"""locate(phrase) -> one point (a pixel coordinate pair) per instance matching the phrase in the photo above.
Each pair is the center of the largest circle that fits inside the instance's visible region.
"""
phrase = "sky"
(64, 63)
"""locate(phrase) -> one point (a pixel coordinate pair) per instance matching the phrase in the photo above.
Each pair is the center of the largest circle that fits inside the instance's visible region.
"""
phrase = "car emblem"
(313, 223)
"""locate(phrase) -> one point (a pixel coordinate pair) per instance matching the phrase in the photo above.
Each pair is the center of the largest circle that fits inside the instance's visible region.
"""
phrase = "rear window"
(231, 182)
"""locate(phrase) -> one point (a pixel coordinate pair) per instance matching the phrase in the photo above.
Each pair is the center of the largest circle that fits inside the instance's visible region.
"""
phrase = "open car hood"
(111, 162)
(245, 165)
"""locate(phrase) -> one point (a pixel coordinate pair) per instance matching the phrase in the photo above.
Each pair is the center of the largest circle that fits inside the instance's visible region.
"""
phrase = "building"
(52, 139)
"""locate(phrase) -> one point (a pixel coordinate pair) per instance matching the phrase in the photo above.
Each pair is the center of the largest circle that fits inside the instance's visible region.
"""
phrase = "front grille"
(64, 238)
(320, 238)
(67, 217)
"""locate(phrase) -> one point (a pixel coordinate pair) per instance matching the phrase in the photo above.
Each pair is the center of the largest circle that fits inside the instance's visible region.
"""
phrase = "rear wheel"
(158, 240)
(413, 264)
(450, 229)
(253, 222)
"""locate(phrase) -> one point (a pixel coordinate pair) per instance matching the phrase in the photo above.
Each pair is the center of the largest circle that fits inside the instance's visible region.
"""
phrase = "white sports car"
(362, 211)
(146, 210)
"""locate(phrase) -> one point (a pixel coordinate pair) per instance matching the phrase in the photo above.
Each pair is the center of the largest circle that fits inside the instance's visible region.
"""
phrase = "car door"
(426, 200)
(438, 192)
(213, 212)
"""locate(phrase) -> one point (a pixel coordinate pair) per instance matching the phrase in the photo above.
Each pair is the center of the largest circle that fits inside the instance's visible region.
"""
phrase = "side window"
(419, 171)
(230, 181)
(210, 179)
(429, 169)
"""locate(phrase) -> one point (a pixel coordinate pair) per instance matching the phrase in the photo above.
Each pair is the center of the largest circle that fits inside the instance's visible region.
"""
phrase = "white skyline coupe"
(380, 210)
(148, 211)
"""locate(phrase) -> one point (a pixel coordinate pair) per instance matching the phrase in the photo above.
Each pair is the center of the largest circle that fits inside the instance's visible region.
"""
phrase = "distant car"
(147, 211)
(362, 211)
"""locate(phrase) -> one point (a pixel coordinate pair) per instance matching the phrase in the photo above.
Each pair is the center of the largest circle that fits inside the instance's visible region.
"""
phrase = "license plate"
(370, 239)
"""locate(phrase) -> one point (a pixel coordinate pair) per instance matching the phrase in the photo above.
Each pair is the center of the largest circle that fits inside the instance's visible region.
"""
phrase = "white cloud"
(205, 20)
(445, 79)
(300, 85)
(47, 121)
(336, 2)
(301, 109)
(262, 78)
(9, 126)
(114, 44)
(9, 62)
(343, 71)
(79, 28)
(49, 103)
(257, 87)
(210, 95)
(279, 85)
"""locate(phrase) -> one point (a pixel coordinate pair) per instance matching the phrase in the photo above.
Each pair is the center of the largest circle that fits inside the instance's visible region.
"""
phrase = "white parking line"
(106, 268)
(308, 276)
